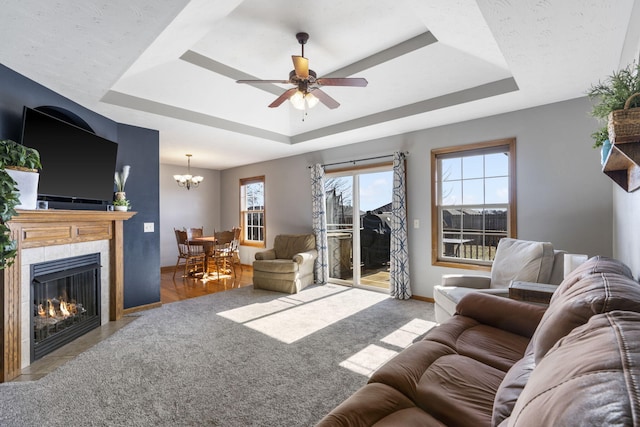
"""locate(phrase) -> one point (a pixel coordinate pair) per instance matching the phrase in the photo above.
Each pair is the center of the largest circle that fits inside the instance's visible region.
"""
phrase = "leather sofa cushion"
(601, 390)
(494, 347)
(511, 388)
(518, 317)
(598, 286)
(380, 405)
(455, 389)
(287, 245)
(523, 260)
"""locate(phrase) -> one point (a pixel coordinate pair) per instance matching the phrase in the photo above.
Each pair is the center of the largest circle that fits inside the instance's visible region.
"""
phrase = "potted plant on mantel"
(121, 205)
(18, 177)
(611, 95)
(120, 201)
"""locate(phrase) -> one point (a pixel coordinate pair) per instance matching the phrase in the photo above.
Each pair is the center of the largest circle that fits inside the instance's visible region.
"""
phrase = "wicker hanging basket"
(624, 125)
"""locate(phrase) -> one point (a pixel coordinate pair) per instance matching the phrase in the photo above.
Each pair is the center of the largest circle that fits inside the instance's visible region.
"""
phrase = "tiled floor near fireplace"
(59, 357)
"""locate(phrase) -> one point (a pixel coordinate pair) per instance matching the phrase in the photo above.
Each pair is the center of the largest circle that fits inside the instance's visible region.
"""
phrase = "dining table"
(209, 243)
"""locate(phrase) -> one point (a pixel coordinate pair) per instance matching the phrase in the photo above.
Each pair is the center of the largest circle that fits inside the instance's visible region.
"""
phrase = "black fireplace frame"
(54, 270)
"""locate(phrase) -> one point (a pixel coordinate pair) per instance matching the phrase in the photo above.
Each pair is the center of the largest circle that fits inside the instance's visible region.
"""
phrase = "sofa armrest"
(268, 254)
(303, 257)
(466, 281)
(503, 313)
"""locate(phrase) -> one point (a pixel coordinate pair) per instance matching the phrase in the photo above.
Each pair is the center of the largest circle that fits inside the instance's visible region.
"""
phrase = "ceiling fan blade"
(263, 81)
(301, 65)
(325, 99)
(338, 81)
(286, 95)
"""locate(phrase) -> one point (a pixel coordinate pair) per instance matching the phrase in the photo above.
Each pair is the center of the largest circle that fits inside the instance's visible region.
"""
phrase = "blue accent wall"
(137, 147)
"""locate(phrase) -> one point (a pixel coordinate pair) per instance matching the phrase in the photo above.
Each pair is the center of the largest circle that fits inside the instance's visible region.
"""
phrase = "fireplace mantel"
(37, 228)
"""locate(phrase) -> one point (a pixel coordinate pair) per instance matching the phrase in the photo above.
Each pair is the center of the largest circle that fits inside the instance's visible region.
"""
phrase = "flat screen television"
(77, 165)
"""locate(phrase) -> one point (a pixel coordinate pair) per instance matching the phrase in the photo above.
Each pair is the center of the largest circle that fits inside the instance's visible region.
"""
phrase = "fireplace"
(47, 235)
(65, 298)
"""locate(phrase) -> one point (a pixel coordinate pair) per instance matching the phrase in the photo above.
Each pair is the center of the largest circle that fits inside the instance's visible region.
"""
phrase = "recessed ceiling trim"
(153, 107)
(407, 46)
(456, 98)
(207, 63)
(487, 90)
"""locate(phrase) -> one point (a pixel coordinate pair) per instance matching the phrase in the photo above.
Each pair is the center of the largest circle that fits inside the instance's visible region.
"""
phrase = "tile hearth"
(40, 368)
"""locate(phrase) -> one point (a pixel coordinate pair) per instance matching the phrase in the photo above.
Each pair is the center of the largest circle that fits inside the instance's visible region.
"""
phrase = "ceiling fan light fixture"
(303, 101)
(312, 101)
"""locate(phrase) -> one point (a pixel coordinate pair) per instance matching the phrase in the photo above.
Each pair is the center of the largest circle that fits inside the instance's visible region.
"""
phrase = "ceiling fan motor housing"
(302, 38)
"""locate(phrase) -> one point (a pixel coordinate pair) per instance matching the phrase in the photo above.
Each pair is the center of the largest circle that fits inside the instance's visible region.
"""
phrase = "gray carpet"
(243, 357)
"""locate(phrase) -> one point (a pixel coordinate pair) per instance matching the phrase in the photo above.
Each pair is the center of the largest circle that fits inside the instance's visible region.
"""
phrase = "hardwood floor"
(180, 288)
(171, 290)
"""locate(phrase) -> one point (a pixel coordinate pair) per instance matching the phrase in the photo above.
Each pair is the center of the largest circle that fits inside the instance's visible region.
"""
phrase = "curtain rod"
(404, 153)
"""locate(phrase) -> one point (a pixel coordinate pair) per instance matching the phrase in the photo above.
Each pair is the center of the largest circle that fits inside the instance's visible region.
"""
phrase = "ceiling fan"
(307, 84)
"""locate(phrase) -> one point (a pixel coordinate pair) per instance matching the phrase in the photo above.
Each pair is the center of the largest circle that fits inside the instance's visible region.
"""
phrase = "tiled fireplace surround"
(46, 236)
(50, 253)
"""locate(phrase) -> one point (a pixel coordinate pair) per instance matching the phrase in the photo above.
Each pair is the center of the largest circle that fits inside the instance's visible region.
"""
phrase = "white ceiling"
(171, 65)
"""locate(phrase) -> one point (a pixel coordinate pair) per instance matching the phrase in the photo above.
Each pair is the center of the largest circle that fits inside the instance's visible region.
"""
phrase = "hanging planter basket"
(624, 125)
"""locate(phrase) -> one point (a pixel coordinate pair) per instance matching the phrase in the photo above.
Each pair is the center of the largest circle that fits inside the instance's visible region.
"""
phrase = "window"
(252, 211)
(472, 202)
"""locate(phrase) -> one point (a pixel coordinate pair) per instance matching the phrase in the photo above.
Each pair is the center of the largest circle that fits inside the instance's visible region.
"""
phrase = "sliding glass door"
(358, 226)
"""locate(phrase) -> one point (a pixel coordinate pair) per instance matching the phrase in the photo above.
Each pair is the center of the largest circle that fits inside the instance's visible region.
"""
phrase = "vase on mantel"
(27, 186)
(121, 195)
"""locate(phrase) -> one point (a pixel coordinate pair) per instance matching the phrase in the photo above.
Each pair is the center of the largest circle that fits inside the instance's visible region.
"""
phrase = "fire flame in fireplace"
(65, 309)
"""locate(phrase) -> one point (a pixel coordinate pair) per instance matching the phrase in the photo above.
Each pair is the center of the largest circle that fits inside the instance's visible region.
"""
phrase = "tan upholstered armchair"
(288, 266)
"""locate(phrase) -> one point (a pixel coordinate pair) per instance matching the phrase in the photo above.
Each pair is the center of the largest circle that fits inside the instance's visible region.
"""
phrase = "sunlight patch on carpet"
(292, 317)
(368, 360)
(255, 311)
(405, 335)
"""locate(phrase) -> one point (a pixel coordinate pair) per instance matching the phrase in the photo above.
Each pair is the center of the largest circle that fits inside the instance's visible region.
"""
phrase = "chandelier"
(188, 180)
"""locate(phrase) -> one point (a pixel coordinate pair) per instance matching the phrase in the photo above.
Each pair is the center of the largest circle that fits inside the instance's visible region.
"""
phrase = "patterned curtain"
(399, 280)
(319, 203)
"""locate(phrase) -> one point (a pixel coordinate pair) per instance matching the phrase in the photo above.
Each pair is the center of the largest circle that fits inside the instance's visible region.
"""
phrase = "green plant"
(122, 202)
(600, 136)
(12, 156)
(18, 156)
(611, 94)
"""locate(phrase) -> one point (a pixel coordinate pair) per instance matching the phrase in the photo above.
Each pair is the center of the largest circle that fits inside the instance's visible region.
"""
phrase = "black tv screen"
(77, 165)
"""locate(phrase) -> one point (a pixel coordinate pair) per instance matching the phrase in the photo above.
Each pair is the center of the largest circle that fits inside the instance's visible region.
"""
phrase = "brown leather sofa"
(501, 362)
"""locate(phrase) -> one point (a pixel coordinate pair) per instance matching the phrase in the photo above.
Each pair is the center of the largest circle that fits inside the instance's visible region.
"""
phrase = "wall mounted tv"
(77, 165)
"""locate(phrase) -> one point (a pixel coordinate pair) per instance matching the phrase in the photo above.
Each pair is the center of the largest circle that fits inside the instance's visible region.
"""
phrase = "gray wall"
(563, 197)
(626, 224)
(197, 207)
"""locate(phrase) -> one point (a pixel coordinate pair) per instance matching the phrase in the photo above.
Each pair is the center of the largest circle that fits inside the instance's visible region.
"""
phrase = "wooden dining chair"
(221, 258)
(192, 255)
(195, 232)
(234, 246)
